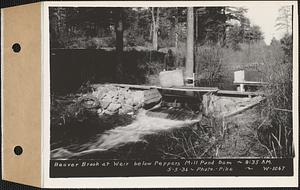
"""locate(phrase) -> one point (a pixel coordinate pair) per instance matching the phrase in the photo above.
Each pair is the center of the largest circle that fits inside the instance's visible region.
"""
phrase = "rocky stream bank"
(109, 122)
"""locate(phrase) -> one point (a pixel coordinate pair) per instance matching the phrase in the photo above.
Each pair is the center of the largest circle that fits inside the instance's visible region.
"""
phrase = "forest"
(130, 43)
(224, 38)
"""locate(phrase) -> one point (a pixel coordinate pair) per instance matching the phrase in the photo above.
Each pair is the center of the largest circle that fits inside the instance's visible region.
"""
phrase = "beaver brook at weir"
(78, 131)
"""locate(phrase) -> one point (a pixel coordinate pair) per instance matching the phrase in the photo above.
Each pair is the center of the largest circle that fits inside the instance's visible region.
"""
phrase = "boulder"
(100, 112)
(121, 100)
(125, 109)
(113, 107)
(118, 99)
(138, 97)
(129, 101)
(107, 112)
(104, 103)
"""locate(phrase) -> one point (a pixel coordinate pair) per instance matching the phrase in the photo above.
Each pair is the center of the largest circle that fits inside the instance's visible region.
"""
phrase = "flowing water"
(112, 139)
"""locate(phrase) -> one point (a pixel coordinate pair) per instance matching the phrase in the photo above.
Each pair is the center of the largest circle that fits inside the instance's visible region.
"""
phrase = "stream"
(119, 136)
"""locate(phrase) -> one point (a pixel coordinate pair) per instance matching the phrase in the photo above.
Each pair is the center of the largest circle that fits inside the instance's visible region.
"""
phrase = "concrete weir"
(209, 101)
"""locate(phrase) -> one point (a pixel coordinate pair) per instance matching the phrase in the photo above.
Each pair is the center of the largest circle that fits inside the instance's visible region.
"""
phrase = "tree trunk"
(119, 31)
(119, 43)
(151, 31)
(155, 23)
(176, 41)
(154, 39)
(176, 30)
(190, 44)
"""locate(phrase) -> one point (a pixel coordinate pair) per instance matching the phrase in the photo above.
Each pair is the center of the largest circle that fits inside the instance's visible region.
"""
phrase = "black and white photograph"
(175, 87)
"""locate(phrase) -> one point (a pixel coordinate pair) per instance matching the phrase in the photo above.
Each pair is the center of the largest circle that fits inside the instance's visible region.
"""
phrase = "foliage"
(284, 20)
(275, 64)
(234, 37)
(69, 24)
(213, 24)
(287, 46)
(209, 63)
(253, 34)
(278, 69)
(238, 34)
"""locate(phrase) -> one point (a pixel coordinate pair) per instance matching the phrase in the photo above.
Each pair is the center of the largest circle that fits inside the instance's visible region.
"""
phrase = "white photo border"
(170, 181)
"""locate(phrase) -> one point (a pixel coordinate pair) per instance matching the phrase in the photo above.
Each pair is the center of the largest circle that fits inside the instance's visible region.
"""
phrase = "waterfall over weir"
(119, 136)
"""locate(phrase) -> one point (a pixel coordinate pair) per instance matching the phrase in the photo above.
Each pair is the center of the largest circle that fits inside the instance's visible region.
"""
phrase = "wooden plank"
(238, 93)
(191, 89)
(148, 87)
(132, 86)
(135, 86)
(179, 95)
(242, 109)
(250, 83)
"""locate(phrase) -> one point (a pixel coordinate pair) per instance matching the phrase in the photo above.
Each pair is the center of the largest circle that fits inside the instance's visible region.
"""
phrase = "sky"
(265, 17)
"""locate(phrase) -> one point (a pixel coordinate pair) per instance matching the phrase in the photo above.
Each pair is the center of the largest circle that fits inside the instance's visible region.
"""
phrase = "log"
(238, 111)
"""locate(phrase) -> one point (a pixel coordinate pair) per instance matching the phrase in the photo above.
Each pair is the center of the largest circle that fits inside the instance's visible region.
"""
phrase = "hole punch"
(18, 150)
(16, 48)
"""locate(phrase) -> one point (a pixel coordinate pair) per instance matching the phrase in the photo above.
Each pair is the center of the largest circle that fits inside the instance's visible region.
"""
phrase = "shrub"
(208, 60)
(278, 91)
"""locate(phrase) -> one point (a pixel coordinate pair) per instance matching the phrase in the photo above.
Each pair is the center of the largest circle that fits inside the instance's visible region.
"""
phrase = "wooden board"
(253, 83)
(191, 89)
(237, 93)
(131, 86)
(183, 88)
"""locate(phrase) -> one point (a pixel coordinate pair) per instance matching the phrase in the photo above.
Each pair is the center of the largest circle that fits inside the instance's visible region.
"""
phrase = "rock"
(125, 109)
(113, 107)
(89, 101)
(138, 97)
(121, 100)
(100, 112)
(113, 93)
(108, 112)
(104, 104)
(99, 94)
(118, 99)
(109, 97)
(129, 101)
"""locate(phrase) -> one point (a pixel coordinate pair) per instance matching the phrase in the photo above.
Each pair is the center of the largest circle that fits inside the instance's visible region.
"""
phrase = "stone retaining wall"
(118, 99)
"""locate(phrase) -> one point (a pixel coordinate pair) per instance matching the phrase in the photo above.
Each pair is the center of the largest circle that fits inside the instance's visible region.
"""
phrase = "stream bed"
(80, 132)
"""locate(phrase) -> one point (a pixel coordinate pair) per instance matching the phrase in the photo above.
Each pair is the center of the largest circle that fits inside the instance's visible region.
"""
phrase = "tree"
(155, 26)
(287, 46)
(190, 43)
(213, 22)
(274, 42)
(253, 34)
(284, 20)
(238, 34)
(119, 29)
(210, 24)
(238, 13)
(234, 37)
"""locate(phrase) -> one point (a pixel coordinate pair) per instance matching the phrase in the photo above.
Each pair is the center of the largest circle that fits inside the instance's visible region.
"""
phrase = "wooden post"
(189, 70)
